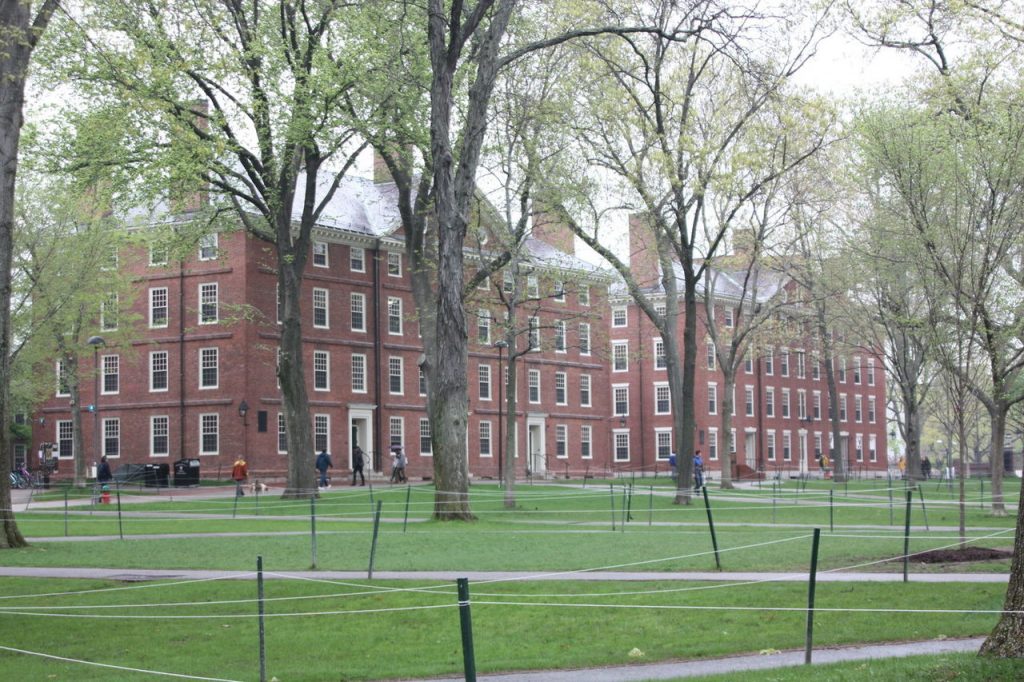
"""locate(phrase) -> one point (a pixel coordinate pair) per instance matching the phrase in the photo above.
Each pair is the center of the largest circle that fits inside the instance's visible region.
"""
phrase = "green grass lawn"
(910, 669)
(354, 631)
(325, 630)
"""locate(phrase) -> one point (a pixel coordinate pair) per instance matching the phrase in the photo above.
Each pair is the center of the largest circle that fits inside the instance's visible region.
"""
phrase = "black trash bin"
(186, 472)
(162, 475)
(149, 476)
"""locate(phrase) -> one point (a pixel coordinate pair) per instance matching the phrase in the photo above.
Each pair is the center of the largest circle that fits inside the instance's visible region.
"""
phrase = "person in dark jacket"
(103, 474)
(323, 463)
(357, 465)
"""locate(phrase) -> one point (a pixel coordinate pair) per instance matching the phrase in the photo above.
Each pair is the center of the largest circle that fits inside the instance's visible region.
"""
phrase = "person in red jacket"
(239, 472)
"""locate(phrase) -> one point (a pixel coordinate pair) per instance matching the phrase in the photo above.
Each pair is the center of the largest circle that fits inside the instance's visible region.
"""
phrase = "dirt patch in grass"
(962, 554)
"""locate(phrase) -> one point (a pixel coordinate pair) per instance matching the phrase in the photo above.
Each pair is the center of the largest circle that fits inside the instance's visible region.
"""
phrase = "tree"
(243, 100)
(680, 119)
(20, 31)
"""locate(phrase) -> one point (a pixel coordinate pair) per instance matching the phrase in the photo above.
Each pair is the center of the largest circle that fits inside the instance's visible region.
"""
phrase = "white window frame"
(203, 356)
(282, 435)
(395, 316)
(483, 326)
(533, 386)
(561, 441)
(424, 438)
(357, 259)
(394, 268)
(208, 246)
(62, 380)
(110, 362)
(712, 402)
(321, 368)
(583, 294)
(153, 435)
(586, 441)
(620, 316)
(662, 449)
(111, 431)
(748, 400)
(207, 419)
(321, 306)
(322, 432)
(153, 355)
(586, 391)
(357, 306)
(321, 258)
(584, 332)
(484, 392)
(659, 388)
(357, 373)
(64, 432)
(616, 389)
(204, 302)
(660, 360)
(713, 444)
(770, 445)
(561, 342)
(396, 361)
(769, 401)
(620, 438)
(616, 356)
(561, 387)
(154, 293)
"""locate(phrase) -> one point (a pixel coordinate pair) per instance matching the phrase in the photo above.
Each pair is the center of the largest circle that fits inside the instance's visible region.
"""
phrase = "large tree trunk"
(684, 455)
(509, 454)
(298, 428)
(725, 447)
(1007, 639)
(997, 419)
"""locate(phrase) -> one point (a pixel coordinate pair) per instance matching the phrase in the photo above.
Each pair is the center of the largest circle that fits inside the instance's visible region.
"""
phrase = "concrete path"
(732, 664)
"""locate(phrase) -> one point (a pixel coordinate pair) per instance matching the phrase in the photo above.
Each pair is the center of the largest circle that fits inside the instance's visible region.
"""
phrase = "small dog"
(259, 485)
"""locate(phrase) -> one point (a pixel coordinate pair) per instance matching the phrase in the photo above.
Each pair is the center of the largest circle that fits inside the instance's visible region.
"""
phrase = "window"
(801, 364)
(532, 286)
(872, 447)
(533, 384)
(111, 374)
(320, 254)
(871, 409)
(816, 368)
(508, 282)
(748, 400)
(859, 447)
(620, 356)
(321, 370)
(65, 438)
(871, 371)
(357, 312)
(208, 246)
(159, 436)
(585, 440)
(584, 338)
(769, 362)
(485, 439)
(769, 402)
(785, 403)
(560, 336)
(841, 370)
(712, 398)
(282, 435)
(208, 306)
(484, 377)
(483, 326)
(394, 264)
(856, 369)
(158, 307)
(801, 404)
(732, 441)
(158, 370)
(560, 389)
(662, 444)
(787, 446)
(395, 375)
(662, 399)
(423, 381)
(620, 401)
(396, 432)
(710, 348)
(784, 362)
(426, 449)
(63, 389)
(358, 373)
(357, 259)
(208, 367)
(558, 291)
(109, 311)
(817, 443)
(112, 437)
(394, 315)
(621, 446)
(320, 318)
(770, 445)
(748, 362)
(842, 407)
(660, 362)
(584, 295)
(712, 443)
(727, 318)
(157, 254)
(816, 405)
(534, 335)
(584, 390)
(619, 318)
(321, 432)
(858, 414)
(561, 441)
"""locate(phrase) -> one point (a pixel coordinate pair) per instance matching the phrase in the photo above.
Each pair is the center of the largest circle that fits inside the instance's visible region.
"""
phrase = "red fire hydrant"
(105, 495)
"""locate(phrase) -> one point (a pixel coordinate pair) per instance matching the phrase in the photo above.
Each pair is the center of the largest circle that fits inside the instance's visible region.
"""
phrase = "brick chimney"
(196, 200)
(643, 251)
(550, 228)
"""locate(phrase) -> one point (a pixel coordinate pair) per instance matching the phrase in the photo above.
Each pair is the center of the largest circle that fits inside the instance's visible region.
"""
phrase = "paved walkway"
(732, 664)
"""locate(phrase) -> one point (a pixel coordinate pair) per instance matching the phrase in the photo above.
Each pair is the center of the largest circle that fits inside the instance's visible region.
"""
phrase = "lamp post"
(96, 342)
(243, 409)
(501, 345)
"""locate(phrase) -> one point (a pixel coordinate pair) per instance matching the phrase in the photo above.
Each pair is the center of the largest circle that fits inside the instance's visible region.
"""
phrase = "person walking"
(698, 470)
(926, 468)
(240, 472)
(103, 478)
(400, 461)
(673, 464)
(323, 463)
(357, 465)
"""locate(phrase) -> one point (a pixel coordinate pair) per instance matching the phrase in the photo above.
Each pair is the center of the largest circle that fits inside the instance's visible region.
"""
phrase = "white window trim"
(401, 374)
(326, 308)
(616, 387)
(662, 385)
(354, 296)
(103, 436)
(490, 438)
(103, 375)
(327, 369)
(540, 396)
(564, 430)
(565, 388)
(199, 356)
(167, 371)
(326, 254)
(216, 302)
(712, 404)
(389, 263)
(166, 306)
(590, 391)
(215, 245)
(401, 322)
(152, 436)
(620, 309)
(201, 434)
(615, 445)
(362, 258)
(625, 345)
(351, 374)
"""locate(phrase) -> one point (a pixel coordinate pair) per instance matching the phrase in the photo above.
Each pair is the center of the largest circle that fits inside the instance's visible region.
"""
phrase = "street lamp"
(501, 345)
(96, 342)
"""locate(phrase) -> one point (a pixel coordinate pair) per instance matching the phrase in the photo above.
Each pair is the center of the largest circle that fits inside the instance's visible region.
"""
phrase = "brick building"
(198, 381)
